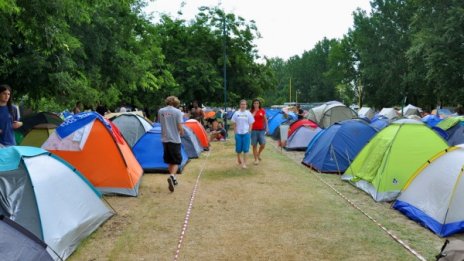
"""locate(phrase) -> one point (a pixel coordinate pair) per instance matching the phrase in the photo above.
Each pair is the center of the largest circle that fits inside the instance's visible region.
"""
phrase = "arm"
(180, 129)
(251, 120)
(233, 119)
(266, 124)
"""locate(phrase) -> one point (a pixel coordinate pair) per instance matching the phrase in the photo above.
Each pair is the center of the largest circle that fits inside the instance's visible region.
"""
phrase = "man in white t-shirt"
(243, 120)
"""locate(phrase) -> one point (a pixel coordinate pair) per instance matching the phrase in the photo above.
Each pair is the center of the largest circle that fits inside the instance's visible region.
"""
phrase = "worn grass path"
(275, 211)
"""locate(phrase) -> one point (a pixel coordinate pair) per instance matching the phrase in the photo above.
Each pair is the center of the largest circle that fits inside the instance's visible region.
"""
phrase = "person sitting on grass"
(217, 132)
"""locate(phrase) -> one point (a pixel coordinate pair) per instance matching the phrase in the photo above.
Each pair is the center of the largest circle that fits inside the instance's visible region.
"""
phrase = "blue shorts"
(242, 143)
(258, 136)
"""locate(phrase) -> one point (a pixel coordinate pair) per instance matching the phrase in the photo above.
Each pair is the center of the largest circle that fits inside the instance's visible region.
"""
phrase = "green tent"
(450, 122)
(387, 162)
(38, 135)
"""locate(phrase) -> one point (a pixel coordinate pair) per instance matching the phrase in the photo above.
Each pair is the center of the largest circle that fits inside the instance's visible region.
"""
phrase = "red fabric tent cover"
(298, 124)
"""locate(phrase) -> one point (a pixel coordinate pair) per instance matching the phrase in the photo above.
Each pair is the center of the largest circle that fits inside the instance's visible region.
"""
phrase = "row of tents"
(51, 192)
(405, 160)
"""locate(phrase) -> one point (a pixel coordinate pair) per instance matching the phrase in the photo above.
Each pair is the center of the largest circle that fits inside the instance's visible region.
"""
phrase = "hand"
(17, 124)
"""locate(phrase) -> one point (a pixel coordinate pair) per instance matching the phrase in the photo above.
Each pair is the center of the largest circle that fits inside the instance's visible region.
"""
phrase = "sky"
(287, 27)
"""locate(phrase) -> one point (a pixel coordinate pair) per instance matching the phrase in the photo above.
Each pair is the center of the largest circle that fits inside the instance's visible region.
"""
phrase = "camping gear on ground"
(300, 134)
(434, 195)
(95, 147)
(199, 131)
(329, 113)
(49, 198)
(279, 119)
(335, 149)
(191, 145)
(149, 152)
(17, 243)
(452, 251)
(386, 163)
(366, 112)
(38, 135)
(132, 126)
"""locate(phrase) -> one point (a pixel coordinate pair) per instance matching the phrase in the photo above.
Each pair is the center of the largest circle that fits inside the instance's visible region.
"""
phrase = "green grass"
(278, 210)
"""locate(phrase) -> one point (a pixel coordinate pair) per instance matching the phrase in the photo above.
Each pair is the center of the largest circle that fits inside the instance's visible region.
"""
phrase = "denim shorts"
(242, 143)
(258, 136)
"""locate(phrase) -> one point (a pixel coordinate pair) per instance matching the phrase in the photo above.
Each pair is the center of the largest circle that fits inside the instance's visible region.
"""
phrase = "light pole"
(224, 49)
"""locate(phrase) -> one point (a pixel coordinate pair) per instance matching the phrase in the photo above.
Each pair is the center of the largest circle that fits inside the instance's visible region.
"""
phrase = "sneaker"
(171, 184)
(174, 180)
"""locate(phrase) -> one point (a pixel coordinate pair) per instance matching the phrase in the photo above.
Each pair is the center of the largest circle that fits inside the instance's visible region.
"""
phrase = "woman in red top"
(258, 130)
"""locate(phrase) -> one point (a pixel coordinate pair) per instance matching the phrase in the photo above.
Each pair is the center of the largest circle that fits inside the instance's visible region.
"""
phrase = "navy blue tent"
(335, 148)
(149, 152)
(455, 134)
(279, 119)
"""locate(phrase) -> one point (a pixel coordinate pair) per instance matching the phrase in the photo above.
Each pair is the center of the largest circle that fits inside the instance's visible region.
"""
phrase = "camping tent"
(16, 243)
(95, 147)
(450, 122)
(33, 120)
(38, 135)
(131, 126)
(279, 119)
(410, 110)
(336, 148)
(380, 123)
(270, 113)
(390, 113)
(149, 152)
(366, 112)
(329, 113)
(385, 164)
(199, 131)
(191, 145)
(48, 197)
(431, 120)
(300, 134)
(435, 194)
(454, 128)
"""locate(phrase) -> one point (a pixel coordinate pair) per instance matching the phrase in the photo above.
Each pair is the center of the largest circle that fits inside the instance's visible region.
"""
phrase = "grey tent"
(132, 126)
(366, 112)
(16, 243)
(191, 144)
(329, 113)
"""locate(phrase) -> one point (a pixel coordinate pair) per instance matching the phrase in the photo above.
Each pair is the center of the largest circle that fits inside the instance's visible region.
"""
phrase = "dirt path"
(275, 211)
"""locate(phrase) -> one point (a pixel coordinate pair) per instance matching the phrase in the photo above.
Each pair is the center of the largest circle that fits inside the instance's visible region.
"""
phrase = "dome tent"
(386, 163)
(300, 134)
(434, 196)
(131, 126)
(48, 197)
(329, 113)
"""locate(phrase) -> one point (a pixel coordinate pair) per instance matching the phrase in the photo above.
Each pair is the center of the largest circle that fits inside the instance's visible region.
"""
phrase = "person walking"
(8, 117)
(170, 119)
(258, 130)
(243, 120)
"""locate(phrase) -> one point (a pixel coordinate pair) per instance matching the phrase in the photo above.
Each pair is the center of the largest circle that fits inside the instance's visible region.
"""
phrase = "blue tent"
(431, 120)
(379, 123)
(335, 148)
(149, 152)
(270, 113)
(279, 119)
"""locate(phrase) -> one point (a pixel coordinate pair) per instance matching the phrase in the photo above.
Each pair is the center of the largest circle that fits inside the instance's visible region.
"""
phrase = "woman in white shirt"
(243, 120)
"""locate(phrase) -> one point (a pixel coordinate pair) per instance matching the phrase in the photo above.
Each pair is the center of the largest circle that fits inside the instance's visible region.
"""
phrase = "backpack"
(452, 251)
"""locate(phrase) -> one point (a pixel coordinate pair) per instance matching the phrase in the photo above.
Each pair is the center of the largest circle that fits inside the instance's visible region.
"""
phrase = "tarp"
(99, 152)
(435, 194)
(386, 163)
(49, 198)
(149, 152)
(329, 113)
(335, 149)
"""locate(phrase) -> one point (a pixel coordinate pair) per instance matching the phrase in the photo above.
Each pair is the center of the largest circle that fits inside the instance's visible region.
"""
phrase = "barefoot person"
(170, 119)
(8, 117)
(258, 130)
(243, 121)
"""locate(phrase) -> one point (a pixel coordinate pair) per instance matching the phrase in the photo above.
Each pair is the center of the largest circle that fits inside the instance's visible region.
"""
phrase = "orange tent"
(96, 148)
(199, 131)
(210, 114)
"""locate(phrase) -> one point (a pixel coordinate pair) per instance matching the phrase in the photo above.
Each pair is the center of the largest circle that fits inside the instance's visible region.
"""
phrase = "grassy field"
(278, 210)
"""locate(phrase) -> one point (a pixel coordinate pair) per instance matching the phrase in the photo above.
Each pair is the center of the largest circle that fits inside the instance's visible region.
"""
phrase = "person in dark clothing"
(9, 119)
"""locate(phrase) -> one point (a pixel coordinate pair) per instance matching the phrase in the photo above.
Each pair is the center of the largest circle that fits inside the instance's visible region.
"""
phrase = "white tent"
(411, 110)
(435, 194)
(329, 113)
(366, 112)
(389, 113)
(48, 197)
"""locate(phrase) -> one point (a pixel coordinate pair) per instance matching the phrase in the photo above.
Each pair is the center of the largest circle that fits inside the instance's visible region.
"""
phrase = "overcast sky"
(287, 27)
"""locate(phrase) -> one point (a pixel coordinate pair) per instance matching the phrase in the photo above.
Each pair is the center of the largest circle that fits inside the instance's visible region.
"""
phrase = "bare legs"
(242, 160)
(257, 152)
(173, 169)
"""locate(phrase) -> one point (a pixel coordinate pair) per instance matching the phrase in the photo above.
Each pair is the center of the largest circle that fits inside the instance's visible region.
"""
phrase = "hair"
(459, 110)
(243, 100)
(6, 87)
(172, 101)
(253, 107)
